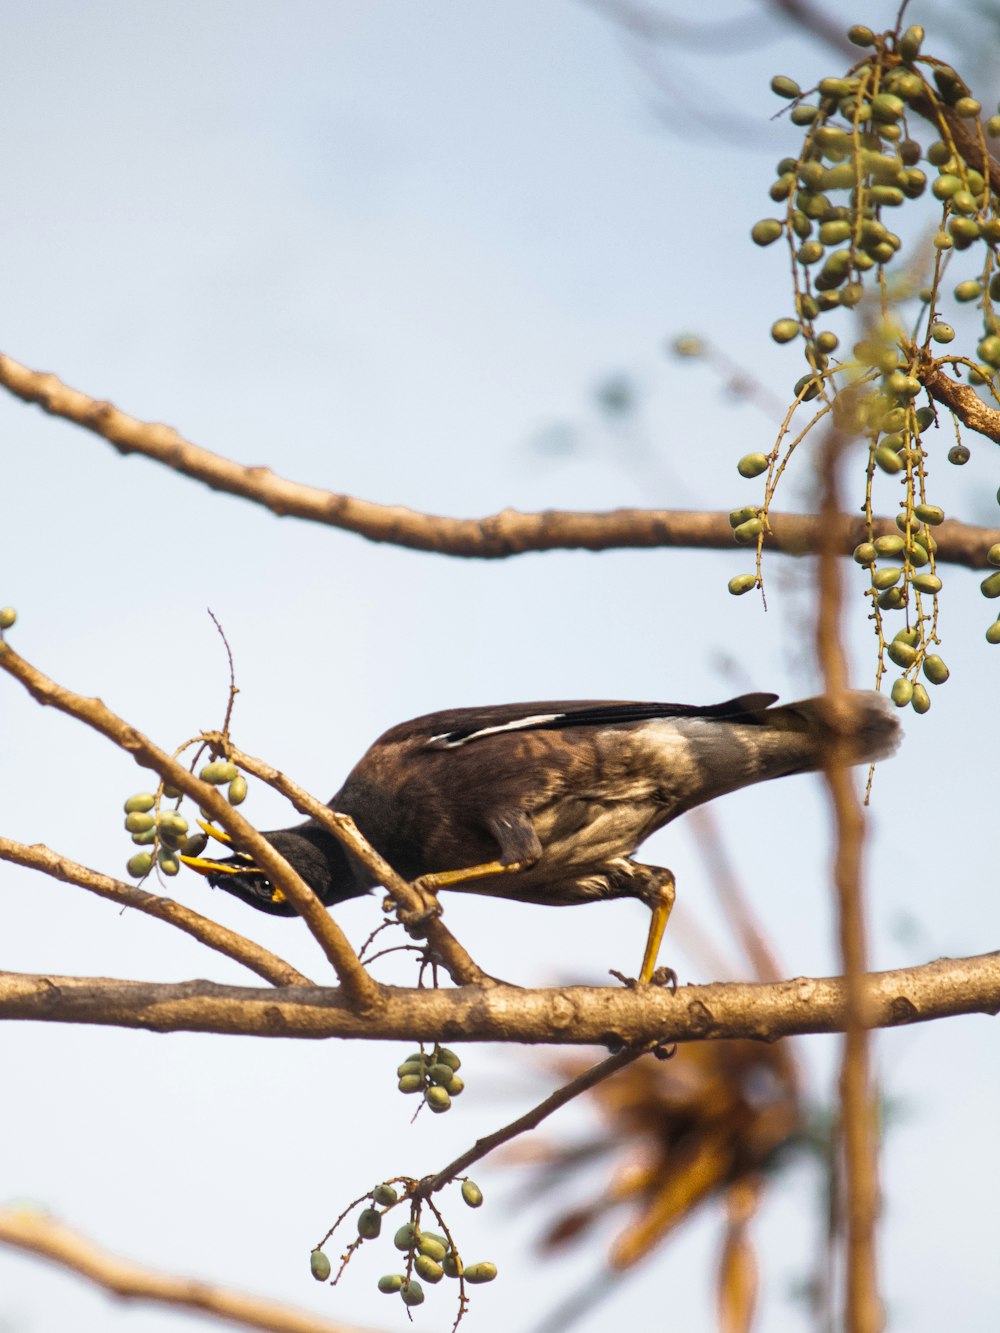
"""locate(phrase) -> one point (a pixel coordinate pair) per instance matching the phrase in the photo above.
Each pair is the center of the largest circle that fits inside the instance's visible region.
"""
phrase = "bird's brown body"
(554, 797)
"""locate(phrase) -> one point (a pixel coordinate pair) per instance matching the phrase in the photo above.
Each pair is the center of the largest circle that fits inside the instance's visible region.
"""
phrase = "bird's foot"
(417, 919)
(663, 976)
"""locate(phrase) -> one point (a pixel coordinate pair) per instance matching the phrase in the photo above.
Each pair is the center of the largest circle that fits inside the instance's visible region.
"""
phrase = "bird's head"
(308, 849)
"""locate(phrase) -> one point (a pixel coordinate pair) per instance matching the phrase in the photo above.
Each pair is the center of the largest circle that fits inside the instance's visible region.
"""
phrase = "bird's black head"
(316, 856)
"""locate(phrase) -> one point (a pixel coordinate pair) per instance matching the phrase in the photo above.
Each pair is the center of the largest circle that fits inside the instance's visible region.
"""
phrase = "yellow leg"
(658, 924)
(444, 879)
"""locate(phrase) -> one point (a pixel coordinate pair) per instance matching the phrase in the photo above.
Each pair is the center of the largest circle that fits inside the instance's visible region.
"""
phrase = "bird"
(547, 802)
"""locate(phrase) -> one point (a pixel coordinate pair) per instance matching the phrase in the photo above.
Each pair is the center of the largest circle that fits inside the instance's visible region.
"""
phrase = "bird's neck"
(321, 861)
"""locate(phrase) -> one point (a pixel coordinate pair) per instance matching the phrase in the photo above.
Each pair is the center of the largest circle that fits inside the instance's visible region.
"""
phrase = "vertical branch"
(863, 1308)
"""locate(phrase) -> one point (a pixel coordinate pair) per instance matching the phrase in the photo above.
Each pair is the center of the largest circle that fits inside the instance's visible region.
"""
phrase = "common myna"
(546, 802)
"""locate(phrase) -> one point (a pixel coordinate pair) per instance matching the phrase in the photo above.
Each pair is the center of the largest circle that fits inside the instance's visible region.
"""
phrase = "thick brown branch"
(569, 1016)
(238, 947)
(495, 537)
(963, 400)
(461, 967)
(41, 1235)
(94, 713)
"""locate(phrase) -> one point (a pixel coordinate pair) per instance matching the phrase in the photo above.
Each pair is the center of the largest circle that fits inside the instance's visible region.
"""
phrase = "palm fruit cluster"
(166, 833)
(858, 165)
(435, 1076)
(430, 1255)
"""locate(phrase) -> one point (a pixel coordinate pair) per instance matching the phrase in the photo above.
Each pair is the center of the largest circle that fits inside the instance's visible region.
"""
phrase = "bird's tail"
(760, 743)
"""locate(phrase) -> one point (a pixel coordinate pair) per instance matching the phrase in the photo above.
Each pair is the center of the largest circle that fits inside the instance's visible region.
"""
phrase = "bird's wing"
(461, 726)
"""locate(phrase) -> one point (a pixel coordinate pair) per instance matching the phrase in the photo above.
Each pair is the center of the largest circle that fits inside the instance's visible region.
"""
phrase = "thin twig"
(494, 537)
(531, 1119)
(461, 967)
(41, 1235)
(863, 1307)
(566, 1016)
(331, 939)
(252, 955)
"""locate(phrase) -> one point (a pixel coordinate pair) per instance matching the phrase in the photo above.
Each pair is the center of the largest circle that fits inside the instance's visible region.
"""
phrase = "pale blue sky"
(384, 248)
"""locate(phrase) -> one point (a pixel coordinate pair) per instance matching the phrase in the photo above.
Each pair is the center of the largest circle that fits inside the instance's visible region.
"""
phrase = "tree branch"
(228, 942)
(461, 967)
(567, 1016)
(331, 939)
(41, 1235)
(495, 537)
(863, 1306)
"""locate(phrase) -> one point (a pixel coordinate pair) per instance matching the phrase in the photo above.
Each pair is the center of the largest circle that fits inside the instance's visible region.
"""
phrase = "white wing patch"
(445, 742)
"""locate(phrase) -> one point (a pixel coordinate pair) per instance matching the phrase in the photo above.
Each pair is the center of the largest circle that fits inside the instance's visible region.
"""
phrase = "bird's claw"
(663, 976)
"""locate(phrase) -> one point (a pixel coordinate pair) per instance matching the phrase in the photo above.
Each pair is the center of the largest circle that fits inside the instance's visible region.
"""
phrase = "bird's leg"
(659, 895)
(519, 846)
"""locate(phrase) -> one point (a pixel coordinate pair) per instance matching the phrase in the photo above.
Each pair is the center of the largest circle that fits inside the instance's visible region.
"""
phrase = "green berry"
(218, 772)
(911, 42)
(752, 465)
(169, 863)
(452, 1264)
(935, 670)
(438, 1099)
(412, 1292)
(902, 692)
(144, 839)
(140, 803)
(890, 545)
(747, 533)
(929, 583)
(783, 86)
(860, 35)
(238, 790)
(369, 1223)
(139, 823)
(484, 1272)
(766, 231)
(886, 578)
(932, 514)
(432, 1247)
(386, 1195)
(742, 583)
(319, 1265)
(390, 1283)
(920, 700)
(942, 332)
(742, 515)
(993, 633)
(472, 1194)
(428, 1269)
(406, 1237)
(441, 1074)
(865, 553)
(888, 460)
(990, 586)
(967, 107)
(456, 1087)
(448, 1057)
(784, 330)
(903, 655)
(195, 845)
(8, 617)
(411, 1083)
(140, 865)
(969, 291)
(993, 555)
